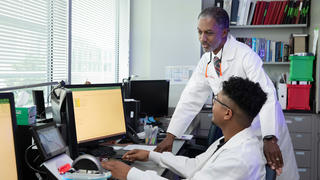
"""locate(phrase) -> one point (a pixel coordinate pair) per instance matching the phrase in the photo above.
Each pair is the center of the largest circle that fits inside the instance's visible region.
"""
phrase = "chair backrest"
(214, 133)
(270, 173)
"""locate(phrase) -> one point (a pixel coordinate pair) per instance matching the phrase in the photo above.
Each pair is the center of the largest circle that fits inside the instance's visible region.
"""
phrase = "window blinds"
(32, 41)
(95, 40)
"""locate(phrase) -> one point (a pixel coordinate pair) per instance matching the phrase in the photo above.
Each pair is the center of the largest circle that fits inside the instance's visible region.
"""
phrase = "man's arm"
(181, 165)
(268, 114)
(191, 101)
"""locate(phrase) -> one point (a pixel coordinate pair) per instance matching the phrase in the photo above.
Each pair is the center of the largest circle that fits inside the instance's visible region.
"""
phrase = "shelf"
(270, 26)
(276, 63)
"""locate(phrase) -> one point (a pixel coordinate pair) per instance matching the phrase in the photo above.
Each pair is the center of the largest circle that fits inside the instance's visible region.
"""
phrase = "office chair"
(270, 173)
(201, 143)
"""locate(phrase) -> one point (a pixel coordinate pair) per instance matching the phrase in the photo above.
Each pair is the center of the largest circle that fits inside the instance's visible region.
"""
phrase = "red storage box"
(298, 97)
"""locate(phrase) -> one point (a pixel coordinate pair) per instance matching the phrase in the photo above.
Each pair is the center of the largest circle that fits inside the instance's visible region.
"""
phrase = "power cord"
(60, 85)
(27, 162)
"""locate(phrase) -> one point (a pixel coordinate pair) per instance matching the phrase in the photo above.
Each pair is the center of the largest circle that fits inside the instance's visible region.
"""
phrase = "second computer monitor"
(153, 95)
(98, 112)
(9, 161)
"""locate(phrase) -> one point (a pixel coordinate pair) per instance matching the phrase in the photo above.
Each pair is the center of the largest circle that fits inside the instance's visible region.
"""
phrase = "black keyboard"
(102, 152)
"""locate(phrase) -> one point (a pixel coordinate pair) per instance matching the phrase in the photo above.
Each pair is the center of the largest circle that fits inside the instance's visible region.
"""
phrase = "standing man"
(225, 57)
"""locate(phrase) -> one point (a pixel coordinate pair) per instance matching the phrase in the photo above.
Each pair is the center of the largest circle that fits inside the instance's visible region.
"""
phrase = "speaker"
(38, 100)
(132, 111)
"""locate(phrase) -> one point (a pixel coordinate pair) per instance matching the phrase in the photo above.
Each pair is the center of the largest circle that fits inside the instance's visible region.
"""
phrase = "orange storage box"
(298, 97)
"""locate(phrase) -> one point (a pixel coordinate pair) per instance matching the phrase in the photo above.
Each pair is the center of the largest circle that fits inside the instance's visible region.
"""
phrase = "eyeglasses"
(223, 104)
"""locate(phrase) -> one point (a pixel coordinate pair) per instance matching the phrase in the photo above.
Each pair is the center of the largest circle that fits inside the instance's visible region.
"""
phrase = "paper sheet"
(138, 146)
(179, 74)
(186, 137)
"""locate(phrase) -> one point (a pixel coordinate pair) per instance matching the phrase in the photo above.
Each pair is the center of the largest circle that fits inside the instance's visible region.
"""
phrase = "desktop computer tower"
(38, 100)
(132, 111)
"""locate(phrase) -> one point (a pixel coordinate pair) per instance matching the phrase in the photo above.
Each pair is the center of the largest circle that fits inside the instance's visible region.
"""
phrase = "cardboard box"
(26, 115)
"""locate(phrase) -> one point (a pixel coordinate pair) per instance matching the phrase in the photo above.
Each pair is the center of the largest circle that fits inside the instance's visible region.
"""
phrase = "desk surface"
(150, 165)
(177, 145)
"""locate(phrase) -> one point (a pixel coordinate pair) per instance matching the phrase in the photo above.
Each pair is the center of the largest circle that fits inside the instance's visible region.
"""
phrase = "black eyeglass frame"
(223, 104)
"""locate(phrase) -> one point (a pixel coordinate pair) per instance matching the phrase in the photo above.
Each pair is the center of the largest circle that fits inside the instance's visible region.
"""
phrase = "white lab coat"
(238, 60)
(240, 158)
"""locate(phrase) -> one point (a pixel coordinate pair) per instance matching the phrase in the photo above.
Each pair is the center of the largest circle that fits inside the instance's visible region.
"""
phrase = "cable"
(35, 159)
(27, 162)
(61, 84)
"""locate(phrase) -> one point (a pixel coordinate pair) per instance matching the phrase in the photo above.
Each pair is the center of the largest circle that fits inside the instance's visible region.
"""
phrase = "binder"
(256, 12)
(234, 12)
(276, 12)
(282, 12)
(261, 12)
(299, 12)
(251, 13)
(270, 11)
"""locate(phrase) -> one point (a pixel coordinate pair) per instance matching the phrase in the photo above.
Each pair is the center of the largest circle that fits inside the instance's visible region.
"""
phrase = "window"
(34, 41)
(98, 52)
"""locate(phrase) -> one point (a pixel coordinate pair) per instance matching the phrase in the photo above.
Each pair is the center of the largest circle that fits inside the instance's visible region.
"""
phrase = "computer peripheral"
(87, 167)
(102, 151)
(160, 130)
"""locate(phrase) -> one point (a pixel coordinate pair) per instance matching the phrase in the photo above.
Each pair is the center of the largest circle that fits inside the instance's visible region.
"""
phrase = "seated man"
(237, 155)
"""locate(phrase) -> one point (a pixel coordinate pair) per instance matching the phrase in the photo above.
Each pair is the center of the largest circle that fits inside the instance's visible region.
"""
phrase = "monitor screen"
(98, 112)
(48, 140)
(153, 95)
(8, 157)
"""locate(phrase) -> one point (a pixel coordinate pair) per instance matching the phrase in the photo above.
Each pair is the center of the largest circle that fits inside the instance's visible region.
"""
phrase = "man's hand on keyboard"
(119, 170)
(136, 155)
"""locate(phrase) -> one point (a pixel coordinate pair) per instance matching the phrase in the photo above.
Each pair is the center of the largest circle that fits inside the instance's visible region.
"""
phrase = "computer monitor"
(10, 163)
(95, 114)
(153, 96)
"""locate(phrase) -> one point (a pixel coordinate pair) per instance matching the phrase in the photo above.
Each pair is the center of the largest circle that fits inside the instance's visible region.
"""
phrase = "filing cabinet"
(204, 122)
(303, 128)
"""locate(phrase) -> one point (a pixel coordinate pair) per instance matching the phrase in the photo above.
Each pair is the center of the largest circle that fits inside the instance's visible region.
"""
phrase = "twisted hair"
(246, 94)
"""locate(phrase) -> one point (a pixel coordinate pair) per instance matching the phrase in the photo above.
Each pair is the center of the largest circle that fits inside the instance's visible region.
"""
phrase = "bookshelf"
(270, 26)
(276, 63)
(307, 156)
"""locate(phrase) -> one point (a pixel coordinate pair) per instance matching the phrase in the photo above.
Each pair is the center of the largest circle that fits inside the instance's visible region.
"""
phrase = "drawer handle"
(302, 169)
(300, 153)
(299, 136)
(288, 121)
(299, 119)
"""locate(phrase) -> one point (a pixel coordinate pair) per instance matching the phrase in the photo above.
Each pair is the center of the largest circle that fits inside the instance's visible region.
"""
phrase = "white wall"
(163, 33)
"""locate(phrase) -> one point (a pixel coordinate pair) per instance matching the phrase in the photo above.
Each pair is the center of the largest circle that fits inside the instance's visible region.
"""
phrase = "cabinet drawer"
(301, 140)
(205, 120)
(299, 123)
(305, 173)
(303, 158)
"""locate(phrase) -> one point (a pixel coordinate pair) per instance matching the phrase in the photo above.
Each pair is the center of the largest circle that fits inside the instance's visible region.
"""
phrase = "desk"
(177, 145)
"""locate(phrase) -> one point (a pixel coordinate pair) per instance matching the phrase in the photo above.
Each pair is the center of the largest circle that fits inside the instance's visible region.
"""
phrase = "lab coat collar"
(235, 140)
(229, 48)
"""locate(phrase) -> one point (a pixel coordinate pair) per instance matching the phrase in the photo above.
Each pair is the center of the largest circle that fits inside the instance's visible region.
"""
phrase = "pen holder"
(151, 134)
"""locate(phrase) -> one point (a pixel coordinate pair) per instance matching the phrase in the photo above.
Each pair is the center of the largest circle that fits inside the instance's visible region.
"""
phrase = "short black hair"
(246, 94)
(219, 14)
